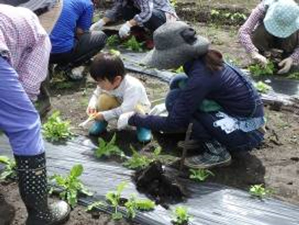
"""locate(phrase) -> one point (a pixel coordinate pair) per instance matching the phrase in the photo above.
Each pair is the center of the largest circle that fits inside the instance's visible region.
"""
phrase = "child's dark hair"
(107, 66)
(214, 60)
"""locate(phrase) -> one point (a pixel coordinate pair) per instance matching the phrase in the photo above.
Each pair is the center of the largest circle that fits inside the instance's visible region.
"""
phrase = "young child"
(116, 93)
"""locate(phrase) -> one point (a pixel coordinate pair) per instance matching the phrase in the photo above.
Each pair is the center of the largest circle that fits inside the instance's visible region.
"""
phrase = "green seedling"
(114, 52)
(134, 204)
(9, 171)
(95, 205)
(294, 76)
(258, 190)
(137, 161)
(179, 70)
(71, 185)
(108, 148)
(258, 70)
(181, 216)
(55, 129)
(173, 3)
(113, 198)
(113, 41)
(200, 174)
(133, 45)
(262, 87)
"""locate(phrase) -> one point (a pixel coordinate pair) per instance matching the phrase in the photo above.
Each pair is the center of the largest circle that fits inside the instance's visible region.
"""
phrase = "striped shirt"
(245, 32)
(26, 46)
(145, 6)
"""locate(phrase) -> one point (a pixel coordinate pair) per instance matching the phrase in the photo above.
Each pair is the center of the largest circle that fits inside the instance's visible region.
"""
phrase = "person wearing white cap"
(273, 24)
(24, 56)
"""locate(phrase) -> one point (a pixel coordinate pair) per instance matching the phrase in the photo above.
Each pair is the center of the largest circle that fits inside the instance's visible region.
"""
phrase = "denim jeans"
(19, 120)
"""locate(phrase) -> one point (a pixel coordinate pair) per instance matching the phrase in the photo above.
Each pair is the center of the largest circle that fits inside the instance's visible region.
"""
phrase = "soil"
(275, 164)
(158, 185)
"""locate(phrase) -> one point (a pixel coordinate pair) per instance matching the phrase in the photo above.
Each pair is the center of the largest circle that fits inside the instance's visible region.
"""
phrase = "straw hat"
(175, 44)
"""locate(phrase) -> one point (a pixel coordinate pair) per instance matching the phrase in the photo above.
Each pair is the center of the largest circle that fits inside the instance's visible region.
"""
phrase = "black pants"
(89, 44)
(157, 19)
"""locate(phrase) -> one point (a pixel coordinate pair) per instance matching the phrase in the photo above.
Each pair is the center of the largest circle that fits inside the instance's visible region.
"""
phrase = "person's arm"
(34, 68)
(92, 105)
(130, 100)
(295, 56)
(113, 13)
(146, 11)
(198, 86)
(247, 28)
(85, 20)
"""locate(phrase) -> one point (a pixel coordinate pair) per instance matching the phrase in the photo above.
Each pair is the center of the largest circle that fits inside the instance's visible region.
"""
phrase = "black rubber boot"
(7, 212)
(33, 189)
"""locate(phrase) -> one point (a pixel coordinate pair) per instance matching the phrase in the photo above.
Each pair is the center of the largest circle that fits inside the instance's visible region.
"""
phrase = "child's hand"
(98, 116)
(90, 110)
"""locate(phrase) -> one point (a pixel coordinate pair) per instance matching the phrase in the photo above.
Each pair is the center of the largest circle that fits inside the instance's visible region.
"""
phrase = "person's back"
(75, 14)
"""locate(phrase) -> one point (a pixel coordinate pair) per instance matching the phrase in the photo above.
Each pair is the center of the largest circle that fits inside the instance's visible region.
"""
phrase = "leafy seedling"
(258, 70)
(95, 205)
(114, 198)
(258, 190)
(262, 87)
(108, 148)
(294, 76)
(134, 204)
(133, 45)
(114, 52)
(71, 185)
(9, 171)
(137, 161)
(200, 174)
(55, 129)
(179, 70)
(181, 216)
(113, 41)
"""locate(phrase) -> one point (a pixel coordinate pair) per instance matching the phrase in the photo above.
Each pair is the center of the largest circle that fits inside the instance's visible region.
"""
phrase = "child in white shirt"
(116, 93)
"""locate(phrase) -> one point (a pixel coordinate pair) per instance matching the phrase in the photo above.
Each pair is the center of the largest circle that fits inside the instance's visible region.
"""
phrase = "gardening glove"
(123, 120)
(124, 31)
(259, 58)
(285, 65)
(97, 25)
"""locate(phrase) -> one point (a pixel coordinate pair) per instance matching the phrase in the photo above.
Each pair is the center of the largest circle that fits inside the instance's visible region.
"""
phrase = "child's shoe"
(143, 134)
(97, 128)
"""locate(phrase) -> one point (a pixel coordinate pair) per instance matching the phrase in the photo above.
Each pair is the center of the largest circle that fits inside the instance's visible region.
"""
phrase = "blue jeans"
(18, 118)
(157, 19)
(203, 128)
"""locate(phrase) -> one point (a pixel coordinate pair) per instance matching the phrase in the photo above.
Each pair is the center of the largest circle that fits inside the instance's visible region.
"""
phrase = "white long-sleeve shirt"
(130, 92)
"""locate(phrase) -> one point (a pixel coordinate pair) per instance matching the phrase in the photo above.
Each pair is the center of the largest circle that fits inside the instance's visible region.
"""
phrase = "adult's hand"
(259, 58)
(97, 26)
(125, 29)
(285, 65)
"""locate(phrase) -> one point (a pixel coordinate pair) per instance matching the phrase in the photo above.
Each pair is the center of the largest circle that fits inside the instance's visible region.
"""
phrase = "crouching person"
(116, 93)
(225, 109)
(24, 54)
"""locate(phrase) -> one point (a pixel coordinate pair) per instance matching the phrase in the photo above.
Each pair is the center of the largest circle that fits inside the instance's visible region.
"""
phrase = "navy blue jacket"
(225, 87)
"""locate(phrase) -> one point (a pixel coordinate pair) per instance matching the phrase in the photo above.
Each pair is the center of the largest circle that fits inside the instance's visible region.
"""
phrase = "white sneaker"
(77, 73)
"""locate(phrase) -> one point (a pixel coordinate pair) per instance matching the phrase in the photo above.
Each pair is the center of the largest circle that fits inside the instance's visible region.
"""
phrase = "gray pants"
(89, 44)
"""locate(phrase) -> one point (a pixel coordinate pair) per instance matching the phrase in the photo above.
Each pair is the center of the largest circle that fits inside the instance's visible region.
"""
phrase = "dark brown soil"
(161, 187)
